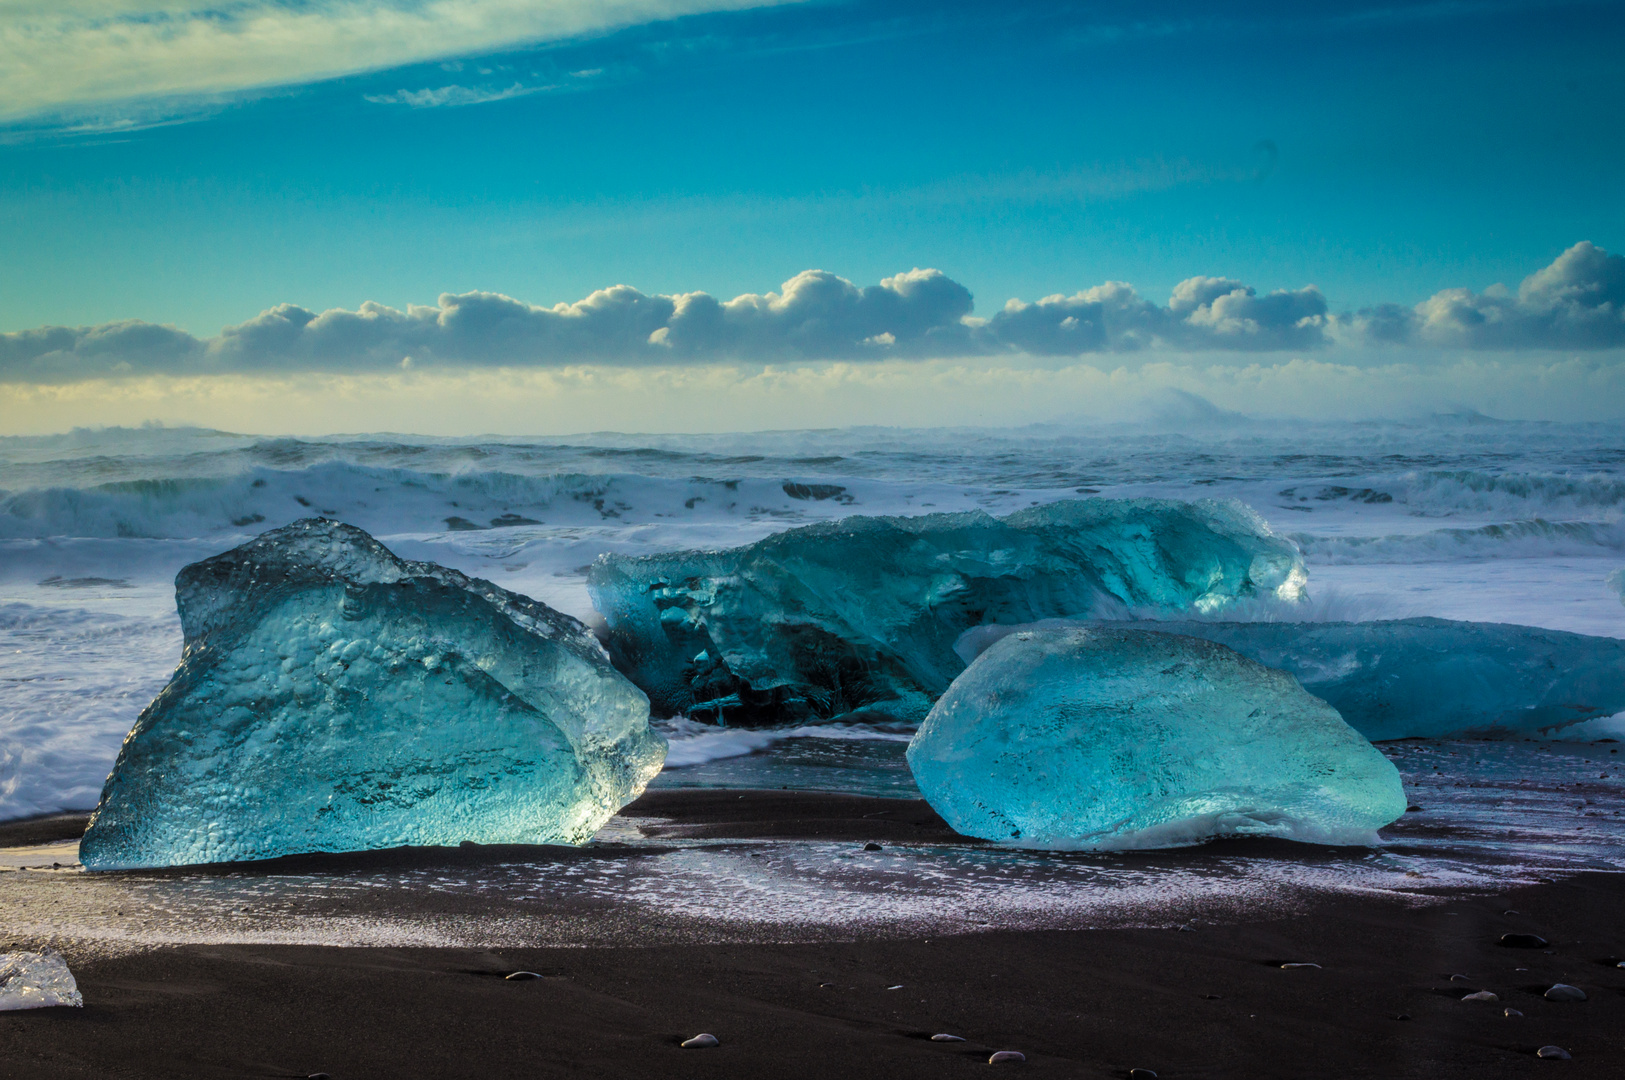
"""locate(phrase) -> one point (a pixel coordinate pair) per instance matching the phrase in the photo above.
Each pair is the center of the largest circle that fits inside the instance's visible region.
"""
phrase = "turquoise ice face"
(1113, 738)
(863, 613)
(332, 697)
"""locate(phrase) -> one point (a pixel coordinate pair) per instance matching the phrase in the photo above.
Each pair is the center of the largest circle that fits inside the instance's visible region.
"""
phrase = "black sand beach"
(1213, 1001)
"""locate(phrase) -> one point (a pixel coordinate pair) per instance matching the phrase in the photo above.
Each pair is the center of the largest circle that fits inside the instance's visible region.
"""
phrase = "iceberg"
(31, 980)
(862, 614)
(334, 697)
(1425, 678)
(1113, 738)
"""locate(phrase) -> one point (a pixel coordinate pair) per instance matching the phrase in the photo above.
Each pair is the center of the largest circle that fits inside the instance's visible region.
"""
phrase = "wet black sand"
(1211, 1002)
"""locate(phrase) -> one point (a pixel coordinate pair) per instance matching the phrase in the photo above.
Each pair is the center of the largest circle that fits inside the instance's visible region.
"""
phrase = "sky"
(537, 216)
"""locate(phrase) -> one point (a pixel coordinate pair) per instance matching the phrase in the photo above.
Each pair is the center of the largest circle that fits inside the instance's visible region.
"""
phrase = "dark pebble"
(871, 847)
(318, 1076)
(701, 1041)
(1556, 1052)
(1296, 967)
(1141, 1074)
(1413, 809)
(1403, 1016)
(1565, 992)
(1524, 941)
(946, 1038)
(520, 976)
(1012, 1057)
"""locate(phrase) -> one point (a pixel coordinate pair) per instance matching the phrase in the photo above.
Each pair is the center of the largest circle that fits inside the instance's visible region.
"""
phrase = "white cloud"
(1576, 302)
(60, 55)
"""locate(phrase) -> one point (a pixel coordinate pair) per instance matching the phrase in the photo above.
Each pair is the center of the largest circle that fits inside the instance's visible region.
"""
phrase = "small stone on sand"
(1512, 1012)
(1294, 967)
(1460, 978)
(946, 1038)
(318, 1076)
(520, 976)
(1524, 941)
(1553, 1052)
(1141, 1074)
(1403, 1016)
(1012, 1056)
(1482, 995)
(1565, 992)
(700, 1041)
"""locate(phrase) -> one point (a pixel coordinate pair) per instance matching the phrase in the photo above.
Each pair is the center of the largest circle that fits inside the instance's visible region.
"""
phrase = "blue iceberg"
(862, 614)
(1426, 678)
(1114, 738)
(333, 697)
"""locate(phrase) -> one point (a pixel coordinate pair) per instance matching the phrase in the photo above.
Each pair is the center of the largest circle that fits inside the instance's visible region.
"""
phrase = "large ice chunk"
(31, 980)
(1117, 738)
(1426, 678)
(863, 613)
(333, 697)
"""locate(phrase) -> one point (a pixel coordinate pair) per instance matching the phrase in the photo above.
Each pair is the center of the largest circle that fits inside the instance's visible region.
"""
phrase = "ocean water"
(1460, 517)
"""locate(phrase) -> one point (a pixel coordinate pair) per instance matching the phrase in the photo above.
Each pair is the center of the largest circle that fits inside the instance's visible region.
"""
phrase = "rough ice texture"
(31, 980)
(1112, 738)
(863, 613)
(333, 697)
(1426, 678)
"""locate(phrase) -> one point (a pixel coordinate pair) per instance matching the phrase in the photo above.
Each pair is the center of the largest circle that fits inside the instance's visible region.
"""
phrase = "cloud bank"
(57, 55)
(1578, 302)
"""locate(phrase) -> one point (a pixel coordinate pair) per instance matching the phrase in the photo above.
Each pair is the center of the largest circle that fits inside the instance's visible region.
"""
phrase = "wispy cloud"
(64, 56)
(453, 96)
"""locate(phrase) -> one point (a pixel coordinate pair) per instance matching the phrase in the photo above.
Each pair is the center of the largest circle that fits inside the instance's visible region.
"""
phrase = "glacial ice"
(1114, 738)
(334, 697)
(31, 980)
(1425, 678)
(861, 614)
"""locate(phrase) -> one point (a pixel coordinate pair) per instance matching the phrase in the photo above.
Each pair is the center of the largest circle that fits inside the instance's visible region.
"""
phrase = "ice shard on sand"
(334, 697)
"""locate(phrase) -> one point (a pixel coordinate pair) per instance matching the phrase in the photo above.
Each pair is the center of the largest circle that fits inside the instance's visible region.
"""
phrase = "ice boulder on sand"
(333, 697)
(1110, 738)
(863, 613)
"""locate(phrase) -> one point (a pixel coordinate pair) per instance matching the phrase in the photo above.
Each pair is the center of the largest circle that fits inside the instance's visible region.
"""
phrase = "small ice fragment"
(701, 1041)
(31, 980)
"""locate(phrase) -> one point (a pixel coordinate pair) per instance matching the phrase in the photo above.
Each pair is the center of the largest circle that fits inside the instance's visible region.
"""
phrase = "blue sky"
(1380, 152)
